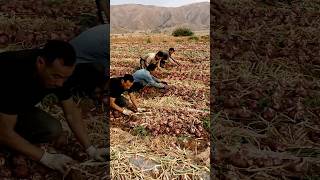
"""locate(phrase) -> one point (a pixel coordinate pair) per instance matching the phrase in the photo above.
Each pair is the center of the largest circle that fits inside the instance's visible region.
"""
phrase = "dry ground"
(172, 140)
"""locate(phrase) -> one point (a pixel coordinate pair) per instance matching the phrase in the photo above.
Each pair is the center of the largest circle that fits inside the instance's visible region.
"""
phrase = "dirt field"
(172, 141)
(266, 89)
(29, 24)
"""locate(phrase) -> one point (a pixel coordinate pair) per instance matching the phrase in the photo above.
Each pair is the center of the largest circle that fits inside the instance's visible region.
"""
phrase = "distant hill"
(136, 17)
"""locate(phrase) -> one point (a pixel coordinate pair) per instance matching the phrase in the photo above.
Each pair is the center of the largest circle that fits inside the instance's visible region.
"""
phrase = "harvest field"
(171, 140)
(266, 98)
(29, 24)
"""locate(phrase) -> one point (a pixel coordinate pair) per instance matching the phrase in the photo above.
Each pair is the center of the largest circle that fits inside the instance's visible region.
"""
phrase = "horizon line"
(157, 5)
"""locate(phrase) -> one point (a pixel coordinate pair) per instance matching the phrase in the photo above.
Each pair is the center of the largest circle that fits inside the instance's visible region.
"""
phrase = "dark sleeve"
(114, 93)
(11, 106)
(131, 90)
(10, 102)
(113, 89)
(63, 93)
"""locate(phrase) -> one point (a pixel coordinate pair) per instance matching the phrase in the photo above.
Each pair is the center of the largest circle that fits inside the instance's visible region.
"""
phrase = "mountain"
(137, 17)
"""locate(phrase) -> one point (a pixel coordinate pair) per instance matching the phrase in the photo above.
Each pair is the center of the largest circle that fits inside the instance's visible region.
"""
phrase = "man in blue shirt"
(92, 54)
(144, 77)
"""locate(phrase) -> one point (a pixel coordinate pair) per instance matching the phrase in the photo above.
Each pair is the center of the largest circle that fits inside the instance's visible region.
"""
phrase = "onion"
(4, 172)
(75, 175)
(244, 113)
(157, 128)
(2, 161)
(179, 126)
(238, 161)
(4, 39)
(155, 133)
(192, 130)
(81, 156)
(21, 171)
(36, 176)
(255, 95)
(269, 114)
(253, 104)
(19, 160)
(200, 128)
(165, 122)
(231, 103)
(198, 133)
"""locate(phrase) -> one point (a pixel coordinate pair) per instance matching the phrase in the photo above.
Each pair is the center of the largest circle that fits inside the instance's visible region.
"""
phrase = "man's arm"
(13, 140)
(133, 100)
(73, 117)
(158, 64)
(156, 79)
(114, 105)
(151, 82)
(76, 124)
(174, 61)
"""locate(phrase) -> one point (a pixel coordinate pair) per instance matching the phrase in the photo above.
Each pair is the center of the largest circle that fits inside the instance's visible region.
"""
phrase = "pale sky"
(165, 3)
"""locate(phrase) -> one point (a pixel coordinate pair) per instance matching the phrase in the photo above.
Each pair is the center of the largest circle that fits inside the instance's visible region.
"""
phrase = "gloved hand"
(141, 109)
(56, 161)
(163, 82)
(97, 154)
(127, 112)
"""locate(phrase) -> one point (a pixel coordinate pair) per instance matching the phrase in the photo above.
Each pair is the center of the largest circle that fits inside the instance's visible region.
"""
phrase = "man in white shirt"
(151, 58)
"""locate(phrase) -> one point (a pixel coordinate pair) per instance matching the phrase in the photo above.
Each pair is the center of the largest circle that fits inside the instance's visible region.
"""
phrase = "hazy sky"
(166, 3)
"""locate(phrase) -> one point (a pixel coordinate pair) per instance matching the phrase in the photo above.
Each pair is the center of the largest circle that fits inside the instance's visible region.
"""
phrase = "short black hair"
(165, 56)
(159, 53)
(128, 77)
(171, 49)
(151, 67)
(54, 49)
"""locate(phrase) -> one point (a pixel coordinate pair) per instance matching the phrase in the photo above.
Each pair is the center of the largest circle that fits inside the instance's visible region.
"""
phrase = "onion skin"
(5, 172)
(21, 171)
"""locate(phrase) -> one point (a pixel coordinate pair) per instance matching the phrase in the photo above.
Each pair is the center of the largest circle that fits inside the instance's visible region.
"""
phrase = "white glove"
(127, 112)
(97, 154)
(141, 109)
(56, 161)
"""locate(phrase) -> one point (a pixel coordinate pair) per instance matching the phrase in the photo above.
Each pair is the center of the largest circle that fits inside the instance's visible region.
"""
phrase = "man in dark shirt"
(117, 86)
(167, 55)
(27, 76)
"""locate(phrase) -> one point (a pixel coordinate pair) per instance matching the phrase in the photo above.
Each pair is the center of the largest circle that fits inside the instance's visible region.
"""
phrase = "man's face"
(158, 57)
(55, 74)
(127, 84)
(171, 52)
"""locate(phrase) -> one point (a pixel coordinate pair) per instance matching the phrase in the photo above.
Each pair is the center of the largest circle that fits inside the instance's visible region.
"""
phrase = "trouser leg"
(37, 126)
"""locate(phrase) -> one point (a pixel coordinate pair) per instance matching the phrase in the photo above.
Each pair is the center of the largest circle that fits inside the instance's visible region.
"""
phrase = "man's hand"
(163, 82)
(58, 162)
(97, 154)
(141, 109)
(166, 87)
(127, 112)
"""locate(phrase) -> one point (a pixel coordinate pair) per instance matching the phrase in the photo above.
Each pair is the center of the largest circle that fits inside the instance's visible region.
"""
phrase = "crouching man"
(144, 77)
(27, 76)
(118, 103)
